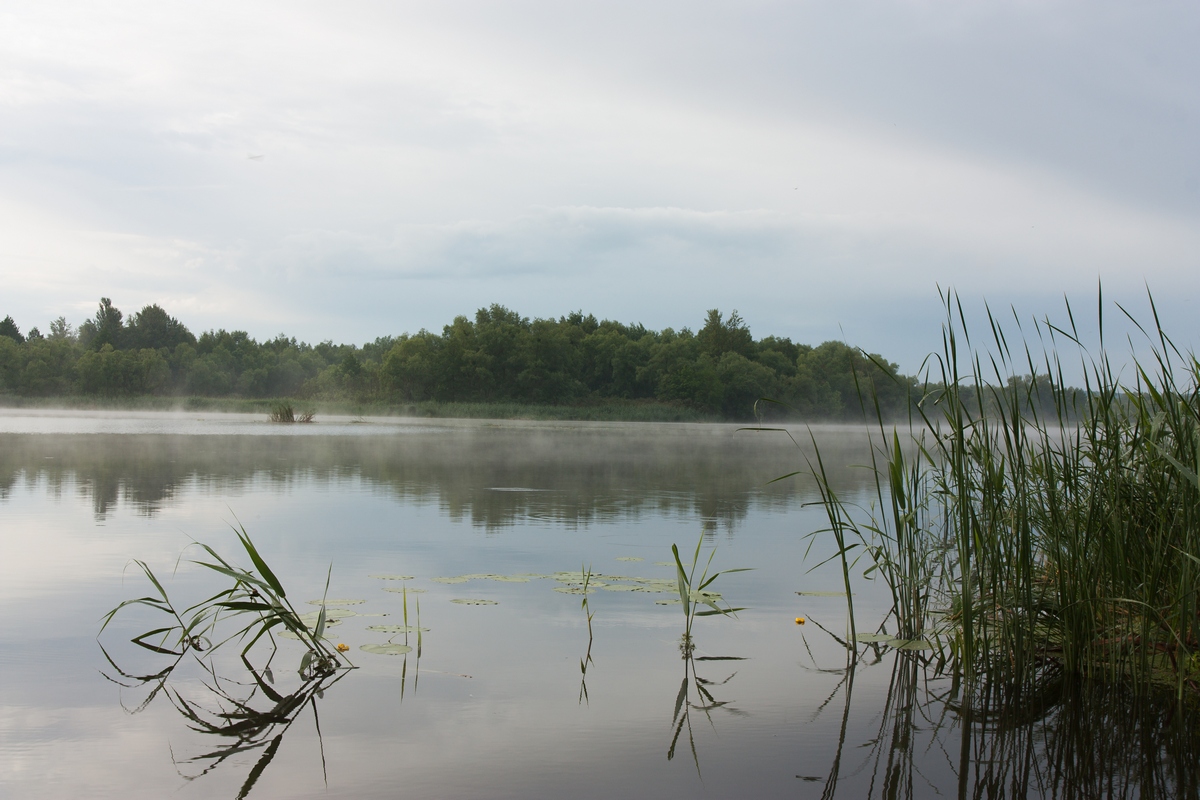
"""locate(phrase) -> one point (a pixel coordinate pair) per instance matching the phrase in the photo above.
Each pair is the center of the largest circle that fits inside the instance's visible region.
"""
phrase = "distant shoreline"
(600, 412)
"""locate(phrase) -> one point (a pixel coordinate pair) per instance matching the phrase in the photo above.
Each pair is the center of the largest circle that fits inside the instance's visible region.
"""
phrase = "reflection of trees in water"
(1065, 738)
(492, 477)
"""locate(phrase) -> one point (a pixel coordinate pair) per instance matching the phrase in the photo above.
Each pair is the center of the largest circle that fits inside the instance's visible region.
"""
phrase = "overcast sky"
(349, 170)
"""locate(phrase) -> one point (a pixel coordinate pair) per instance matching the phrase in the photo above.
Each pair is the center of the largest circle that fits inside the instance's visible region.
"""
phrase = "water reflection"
(1069, 738)
(236, 718)
(697, 693)
(495, 477)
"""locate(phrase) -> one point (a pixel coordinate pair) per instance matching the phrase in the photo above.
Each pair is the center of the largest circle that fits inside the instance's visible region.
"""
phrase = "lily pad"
(392, 577)
(574, 589)
(386, 649)
(891, 641)
(395, 628)
(403, 590)
(471, 601)
(630, 558)
(658, 585)
(287, 634)
(506, 578)
(456, 579)
(821, 594)
(622, 587)
(913, 644)
(664, 563)
(338, 601)
(673, 602)
(330, 614)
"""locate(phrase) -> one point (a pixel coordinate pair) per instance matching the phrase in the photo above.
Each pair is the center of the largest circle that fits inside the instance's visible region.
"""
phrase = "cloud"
(821, 168)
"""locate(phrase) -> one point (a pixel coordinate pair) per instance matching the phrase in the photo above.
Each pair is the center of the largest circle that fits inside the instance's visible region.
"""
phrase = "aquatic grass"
(1034, 526)
(841, 520)
(692, 592)
(286, 412)
(258, 595)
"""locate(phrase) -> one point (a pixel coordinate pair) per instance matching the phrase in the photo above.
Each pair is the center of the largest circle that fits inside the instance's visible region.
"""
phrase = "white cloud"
(809, 164)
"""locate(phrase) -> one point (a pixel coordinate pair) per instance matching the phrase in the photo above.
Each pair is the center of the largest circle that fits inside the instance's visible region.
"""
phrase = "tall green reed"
(256, 603)
(691, 591)
(1046, 525)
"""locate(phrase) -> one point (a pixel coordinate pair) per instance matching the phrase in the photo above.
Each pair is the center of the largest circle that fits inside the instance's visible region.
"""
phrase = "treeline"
(497, 357)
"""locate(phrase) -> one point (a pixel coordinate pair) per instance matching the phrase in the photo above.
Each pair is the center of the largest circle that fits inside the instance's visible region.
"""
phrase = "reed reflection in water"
(1068, 739)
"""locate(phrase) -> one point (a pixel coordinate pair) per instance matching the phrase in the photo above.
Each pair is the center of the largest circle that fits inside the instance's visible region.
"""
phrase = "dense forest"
(497, 357)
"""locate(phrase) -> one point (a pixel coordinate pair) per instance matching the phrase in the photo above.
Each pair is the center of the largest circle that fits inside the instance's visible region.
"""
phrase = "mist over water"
(497, 704)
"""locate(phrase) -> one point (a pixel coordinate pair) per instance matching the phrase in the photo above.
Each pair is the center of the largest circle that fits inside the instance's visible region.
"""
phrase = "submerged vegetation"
(1022, 544)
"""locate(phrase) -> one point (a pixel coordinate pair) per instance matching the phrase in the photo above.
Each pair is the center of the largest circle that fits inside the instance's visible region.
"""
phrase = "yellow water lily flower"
(343, 647)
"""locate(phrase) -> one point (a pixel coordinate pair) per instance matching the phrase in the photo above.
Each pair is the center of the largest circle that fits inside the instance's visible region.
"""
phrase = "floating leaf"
(403, 589)
(821, 594)
(913, 644)
(507, 578)
(622, 587)
(658, 584)
(336, 602)
(386, 649)
(456, 579)
(329, 623)
(664, 563)
(470, 601)
(578, 577)
(891, 641)
(395, 628)
(311, 617)
(392, 577)
(630, 558)
(672, 602)
(574, 589)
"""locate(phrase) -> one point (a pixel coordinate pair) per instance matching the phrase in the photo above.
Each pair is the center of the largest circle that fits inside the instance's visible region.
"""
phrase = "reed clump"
(285, 412)
(1022, 524)
(253, 606)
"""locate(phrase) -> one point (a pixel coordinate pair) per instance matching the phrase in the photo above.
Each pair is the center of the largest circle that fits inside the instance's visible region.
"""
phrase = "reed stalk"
(1030, 524)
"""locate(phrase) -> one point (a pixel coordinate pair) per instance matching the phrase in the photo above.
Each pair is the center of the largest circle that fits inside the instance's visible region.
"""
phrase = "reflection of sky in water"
(434, 501)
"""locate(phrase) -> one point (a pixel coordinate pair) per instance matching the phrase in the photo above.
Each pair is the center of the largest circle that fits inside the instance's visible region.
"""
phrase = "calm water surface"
(496, 705)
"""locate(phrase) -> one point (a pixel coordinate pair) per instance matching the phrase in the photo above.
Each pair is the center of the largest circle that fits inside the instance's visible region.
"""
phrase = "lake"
(500, 699)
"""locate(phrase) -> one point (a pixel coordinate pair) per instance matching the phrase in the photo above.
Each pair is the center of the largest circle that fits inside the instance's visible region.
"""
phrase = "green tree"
(61, 329)
(730, 335)
(112, 372)
(11, 364)
(408, 370)
(104, 329)
(9, 329)
(152, 327)
(743, 382)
